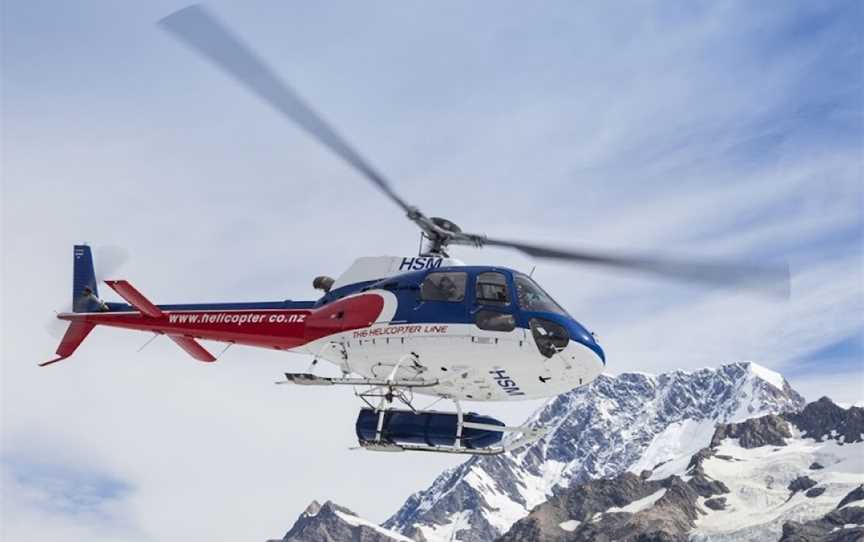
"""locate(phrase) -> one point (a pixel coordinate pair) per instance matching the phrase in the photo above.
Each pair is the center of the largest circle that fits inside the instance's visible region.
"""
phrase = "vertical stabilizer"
(85, 293)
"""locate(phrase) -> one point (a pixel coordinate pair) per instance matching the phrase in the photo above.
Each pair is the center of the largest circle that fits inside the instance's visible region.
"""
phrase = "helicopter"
(397, 327)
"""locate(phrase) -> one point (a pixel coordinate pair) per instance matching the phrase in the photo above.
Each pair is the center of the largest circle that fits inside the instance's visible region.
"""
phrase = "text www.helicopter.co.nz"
(238, 319)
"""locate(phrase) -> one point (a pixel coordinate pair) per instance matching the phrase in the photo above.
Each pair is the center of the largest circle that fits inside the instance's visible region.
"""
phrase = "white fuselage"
(469, 363)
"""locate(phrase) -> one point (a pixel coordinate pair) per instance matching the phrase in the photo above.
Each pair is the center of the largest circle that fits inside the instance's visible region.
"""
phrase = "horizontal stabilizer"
(135, 298)
(75, 335)
(193, 348)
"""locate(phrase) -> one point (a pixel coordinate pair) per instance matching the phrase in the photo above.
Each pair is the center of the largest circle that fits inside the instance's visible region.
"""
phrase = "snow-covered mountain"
(632, 421)
(790, 477)
(331, 523)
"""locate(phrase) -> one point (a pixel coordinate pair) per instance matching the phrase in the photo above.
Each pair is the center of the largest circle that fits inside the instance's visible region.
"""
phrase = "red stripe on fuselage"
(282, 329)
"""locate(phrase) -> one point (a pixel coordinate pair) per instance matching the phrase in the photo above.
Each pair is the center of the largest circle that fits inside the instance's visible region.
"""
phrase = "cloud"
(66, 491)
(63, 501)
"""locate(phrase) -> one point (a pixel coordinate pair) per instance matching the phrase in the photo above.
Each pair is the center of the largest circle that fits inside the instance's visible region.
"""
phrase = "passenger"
(447, 288)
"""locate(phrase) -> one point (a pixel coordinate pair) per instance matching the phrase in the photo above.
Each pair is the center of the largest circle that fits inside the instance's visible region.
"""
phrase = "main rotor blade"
(772, 280)
(201, 31)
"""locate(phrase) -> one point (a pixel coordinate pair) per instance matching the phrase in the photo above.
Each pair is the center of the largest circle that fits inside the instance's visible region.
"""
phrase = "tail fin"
(85, 292)
(85, 298)
(74, 336)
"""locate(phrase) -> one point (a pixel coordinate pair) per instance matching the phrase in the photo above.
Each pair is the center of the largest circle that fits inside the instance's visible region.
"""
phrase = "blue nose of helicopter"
(553, 332)
(584, 337)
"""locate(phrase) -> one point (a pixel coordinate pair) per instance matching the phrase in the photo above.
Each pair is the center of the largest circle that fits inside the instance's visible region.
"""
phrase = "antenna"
(531, 274)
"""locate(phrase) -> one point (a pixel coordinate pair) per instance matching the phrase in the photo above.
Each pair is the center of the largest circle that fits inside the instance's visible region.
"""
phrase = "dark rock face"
(823, 419)
(771, 430)
(324, 524)
(706, 487)
(801, 483)
(597, 431)
(816, 466)
(595, 506)
(702, 484)
(716, 503)
(833, 527)
(671, 517)
(856, 494)
(815, 492)
(597, 496)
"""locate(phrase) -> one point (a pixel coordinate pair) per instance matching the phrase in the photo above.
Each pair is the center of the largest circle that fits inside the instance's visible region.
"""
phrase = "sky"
(731, 129)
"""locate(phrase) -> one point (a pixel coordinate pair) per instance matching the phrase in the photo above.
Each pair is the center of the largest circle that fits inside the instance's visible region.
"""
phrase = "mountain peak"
(772, 377)
(312, 510)
(329, 522)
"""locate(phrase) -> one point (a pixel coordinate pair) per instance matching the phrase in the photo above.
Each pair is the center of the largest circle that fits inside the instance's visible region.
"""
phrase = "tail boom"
(279, 329)
(278, 325)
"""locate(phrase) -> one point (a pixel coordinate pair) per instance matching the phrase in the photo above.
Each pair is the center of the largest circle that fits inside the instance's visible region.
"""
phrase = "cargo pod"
(428, 428)
(393, 430)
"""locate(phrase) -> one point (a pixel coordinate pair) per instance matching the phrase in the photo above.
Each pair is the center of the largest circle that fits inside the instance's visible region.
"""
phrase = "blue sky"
(692, 128)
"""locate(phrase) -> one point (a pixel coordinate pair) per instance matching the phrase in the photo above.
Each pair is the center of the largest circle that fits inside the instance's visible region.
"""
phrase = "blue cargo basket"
(429, 428)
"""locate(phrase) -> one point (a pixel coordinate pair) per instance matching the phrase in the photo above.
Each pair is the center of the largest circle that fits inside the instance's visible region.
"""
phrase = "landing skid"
(307, 379)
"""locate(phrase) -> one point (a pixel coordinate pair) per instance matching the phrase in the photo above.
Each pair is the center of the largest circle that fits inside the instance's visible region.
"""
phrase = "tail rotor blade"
(108, 259)
(56, 327)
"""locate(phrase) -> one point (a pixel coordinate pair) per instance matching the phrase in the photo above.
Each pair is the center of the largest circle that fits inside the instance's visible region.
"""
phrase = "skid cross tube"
(308, 379)
(460, 422)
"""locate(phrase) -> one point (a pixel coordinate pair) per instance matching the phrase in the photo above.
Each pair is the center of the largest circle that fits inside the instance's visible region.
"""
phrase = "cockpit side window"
(532, 297)
(492, 289)
(444, 286)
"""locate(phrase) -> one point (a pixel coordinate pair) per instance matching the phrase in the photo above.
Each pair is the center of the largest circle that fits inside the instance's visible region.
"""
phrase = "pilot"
(522, 296)
(447, 288)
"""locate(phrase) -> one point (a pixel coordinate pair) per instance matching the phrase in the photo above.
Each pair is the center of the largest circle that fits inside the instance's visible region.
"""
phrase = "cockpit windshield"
(532, 297)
